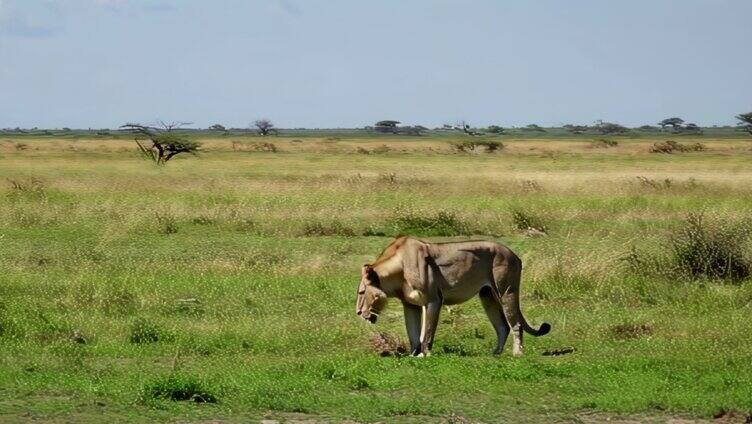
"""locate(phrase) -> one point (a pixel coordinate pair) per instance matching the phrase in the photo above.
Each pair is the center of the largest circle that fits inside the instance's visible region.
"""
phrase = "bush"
(711, 250)
(455, 349)
(470, 145)
(441, 224)
(33, 187)
(699, 249)
(644, 181)
(165, 144)
(631, 331)
(605, 142)
(670, 146)
(264, 147)
(526, 221)
(177, 387)
(166, 223)
(332, 229)
(144, 331)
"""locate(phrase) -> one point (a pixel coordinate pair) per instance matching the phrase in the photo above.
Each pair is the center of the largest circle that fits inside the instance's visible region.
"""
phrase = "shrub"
(165, 144)
(331, 229)
(465, 146)
(33, 187)
(631, 331)
(605, 142)
(264, 147)
(455, 349)
(667, 146)
(443, 223)
(651, 183)
(388, 345)
(381, 149)
(526, 221)
(9, 329)
(203, 220)
(118, 300)
(696, 147)
(670, 146)
(531, 186)
(166, 223)
(144, 331)
(177, 387)
(710, 249)
(389, 178)
(698, 249)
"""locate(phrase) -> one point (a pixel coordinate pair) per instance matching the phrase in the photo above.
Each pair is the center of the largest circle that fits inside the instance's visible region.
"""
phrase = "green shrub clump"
(177, 387)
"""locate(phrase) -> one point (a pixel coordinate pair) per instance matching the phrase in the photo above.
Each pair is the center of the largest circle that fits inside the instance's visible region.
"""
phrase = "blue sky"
(347, 63)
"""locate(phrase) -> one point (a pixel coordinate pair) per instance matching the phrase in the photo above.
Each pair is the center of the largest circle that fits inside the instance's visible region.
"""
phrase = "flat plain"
(222, 286)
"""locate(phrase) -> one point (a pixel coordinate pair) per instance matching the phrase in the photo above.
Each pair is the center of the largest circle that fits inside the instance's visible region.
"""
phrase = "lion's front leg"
(431, 322)
(413, 325)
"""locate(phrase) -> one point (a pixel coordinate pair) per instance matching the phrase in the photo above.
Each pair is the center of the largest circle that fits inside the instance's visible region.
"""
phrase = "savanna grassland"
(228, 279)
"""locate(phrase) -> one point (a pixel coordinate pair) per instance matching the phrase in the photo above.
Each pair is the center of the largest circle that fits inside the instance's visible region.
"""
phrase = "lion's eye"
(362, 292)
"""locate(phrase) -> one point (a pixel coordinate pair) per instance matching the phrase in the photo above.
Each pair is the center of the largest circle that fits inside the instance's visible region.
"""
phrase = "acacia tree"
(465, 128)
(265, 127)
(495, 129)
(392, 127)
(745, 121)
(386, 126)
(674, 123)
(218, 127)
(693, 128)
(165, 143)
(610, 128)
(534, 127)
(576, 129)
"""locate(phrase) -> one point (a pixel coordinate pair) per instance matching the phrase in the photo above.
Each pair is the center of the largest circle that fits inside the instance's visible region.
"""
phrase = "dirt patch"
(631, 331)
(388, 345)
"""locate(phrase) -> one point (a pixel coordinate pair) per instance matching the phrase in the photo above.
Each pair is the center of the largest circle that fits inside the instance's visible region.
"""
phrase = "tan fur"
(425, 276)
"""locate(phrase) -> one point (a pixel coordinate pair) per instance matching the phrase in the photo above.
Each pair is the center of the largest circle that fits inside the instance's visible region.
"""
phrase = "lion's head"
(371, 299)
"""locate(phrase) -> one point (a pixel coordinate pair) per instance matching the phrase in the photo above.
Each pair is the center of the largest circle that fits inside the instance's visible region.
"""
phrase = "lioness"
(425, 276)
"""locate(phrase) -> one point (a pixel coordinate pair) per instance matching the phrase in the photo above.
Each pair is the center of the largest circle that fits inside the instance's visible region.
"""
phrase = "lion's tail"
(510, 302)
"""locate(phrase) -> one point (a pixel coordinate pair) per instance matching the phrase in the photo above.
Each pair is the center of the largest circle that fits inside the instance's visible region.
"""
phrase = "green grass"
(223, 286)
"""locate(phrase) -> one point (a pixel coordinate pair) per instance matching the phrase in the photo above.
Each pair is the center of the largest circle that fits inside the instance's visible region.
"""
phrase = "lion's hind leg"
(413, 323)
(506, 273)
(492, 306)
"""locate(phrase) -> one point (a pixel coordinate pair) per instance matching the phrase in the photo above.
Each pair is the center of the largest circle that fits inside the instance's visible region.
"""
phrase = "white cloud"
(285, 7)
(27, 22)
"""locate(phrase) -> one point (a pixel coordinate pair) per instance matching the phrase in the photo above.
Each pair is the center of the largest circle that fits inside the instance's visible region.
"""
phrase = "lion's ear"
(366, 269)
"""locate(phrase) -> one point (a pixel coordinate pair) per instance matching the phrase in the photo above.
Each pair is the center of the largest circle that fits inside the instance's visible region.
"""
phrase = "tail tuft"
(544, 329)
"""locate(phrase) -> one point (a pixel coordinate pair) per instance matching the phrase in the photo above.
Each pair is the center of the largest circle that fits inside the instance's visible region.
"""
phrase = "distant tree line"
(392, 127)
(265, 127)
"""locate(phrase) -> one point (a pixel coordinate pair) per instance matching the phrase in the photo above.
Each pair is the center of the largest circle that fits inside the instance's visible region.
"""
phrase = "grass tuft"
(488, 146)
(440, 224)
(631, 331)
(144, 331)
(166, 223)
(604, 143)
(525, 221)
(716, 250)
(177, 387)
(671, 146)
(698, 249)
(327, 229)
